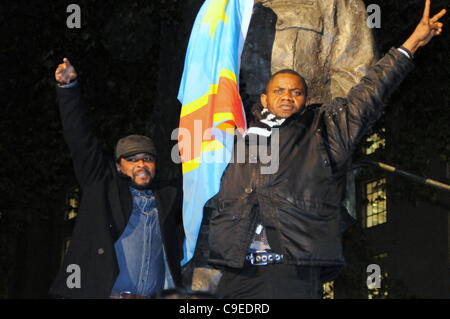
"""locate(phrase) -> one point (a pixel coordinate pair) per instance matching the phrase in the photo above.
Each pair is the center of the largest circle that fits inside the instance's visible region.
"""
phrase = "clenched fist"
(65, 72)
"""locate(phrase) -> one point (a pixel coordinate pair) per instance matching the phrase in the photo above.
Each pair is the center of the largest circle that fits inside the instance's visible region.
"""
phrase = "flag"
(211, 106)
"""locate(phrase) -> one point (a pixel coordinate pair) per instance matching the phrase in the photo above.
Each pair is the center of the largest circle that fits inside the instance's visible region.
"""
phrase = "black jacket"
(105, 208)
(300, 204)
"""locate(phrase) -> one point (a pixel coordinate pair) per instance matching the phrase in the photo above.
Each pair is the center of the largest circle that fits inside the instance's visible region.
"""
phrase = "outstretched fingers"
(439, 15)
(426, 11)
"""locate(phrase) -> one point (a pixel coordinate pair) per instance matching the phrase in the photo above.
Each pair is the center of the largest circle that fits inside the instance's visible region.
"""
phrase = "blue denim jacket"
(140, 251)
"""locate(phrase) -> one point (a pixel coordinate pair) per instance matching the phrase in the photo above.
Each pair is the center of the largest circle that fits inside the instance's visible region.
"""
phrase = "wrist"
(406, 52)
(65, 83)
(71, 83)
(411, 45)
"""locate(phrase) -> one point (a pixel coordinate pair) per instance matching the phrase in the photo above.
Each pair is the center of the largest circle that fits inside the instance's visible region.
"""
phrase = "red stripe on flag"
(227, 99)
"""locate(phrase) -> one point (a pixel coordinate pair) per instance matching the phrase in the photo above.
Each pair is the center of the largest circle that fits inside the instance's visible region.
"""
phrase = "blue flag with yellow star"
(211, 106)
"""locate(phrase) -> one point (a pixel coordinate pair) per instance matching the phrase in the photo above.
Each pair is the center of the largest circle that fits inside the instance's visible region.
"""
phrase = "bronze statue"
(327, 41)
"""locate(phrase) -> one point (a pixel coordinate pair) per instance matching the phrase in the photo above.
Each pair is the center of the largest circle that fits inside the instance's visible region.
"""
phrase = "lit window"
(72, 203)
(67, 245)
(376, 212)
(382, 292)
(65, 248)
(376, 141)
(328, 290)
(72, 214)
(379, 293)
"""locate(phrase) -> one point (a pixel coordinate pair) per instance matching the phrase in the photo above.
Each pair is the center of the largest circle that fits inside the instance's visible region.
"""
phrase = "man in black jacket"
(126, 241)
(279, 235)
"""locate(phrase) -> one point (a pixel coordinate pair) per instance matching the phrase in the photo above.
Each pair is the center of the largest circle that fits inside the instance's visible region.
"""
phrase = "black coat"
(301, 203)
(105, 208)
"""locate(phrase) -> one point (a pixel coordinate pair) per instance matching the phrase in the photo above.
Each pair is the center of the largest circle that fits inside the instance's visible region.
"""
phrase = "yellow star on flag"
(215, 13)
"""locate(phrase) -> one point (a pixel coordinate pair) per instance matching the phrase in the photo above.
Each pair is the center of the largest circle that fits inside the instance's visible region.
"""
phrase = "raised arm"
(87, 156)
(348, 120)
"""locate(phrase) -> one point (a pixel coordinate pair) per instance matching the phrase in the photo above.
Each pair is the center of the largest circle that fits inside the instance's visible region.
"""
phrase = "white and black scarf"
(264, 122)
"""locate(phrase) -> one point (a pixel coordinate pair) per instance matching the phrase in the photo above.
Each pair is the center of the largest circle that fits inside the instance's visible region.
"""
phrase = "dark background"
(129, 56)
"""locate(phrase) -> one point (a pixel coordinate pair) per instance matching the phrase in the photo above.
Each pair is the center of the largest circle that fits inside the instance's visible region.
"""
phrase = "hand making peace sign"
(426, 29)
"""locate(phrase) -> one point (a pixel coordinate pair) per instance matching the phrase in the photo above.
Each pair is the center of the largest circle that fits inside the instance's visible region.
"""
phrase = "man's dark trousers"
(277, 281)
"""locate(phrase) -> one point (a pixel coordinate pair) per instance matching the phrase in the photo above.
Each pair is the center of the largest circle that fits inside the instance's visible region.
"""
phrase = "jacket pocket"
(317, 210)
(322, 210)
(228, 232)
(226, 211)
